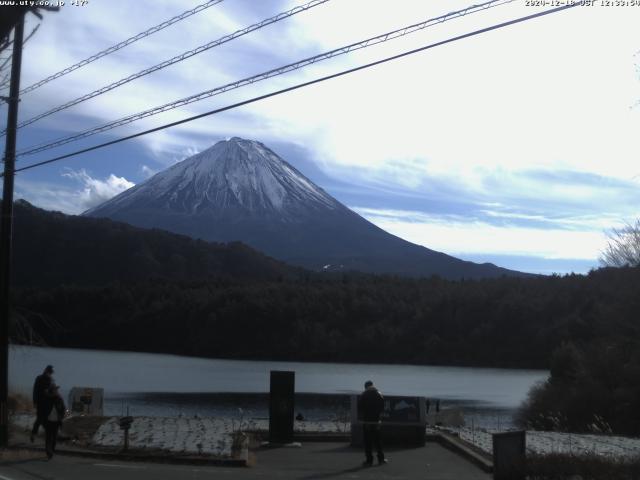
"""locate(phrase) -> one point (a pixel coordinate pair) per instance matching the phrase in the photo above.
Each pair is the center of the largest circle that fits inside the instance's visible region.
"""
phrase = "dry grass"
(252, 459)
(18, 455)
(18, 403)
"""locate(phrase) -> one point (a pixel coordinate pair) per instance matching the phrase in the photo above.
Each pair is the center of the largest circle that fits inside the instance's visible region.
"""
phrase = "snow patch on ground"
(183, 435)
(23, 421)
(205, 436)
(202, 436)
(213, 436)
(557, 442)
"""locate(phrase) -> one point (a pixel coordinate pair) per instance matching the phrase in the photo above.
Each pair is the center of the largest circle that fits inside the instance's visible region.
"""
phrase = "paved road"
(314, 461)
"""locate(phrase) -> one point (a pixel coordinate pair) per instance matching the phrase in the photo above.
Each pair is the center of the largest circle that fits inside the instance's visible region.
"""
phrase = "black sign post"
(125, 424)
(509, 454)
(281, 406)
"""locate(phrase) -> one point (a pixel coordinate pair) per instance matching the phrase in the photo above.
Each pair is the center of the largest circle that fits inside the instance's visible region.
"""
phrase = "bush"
(592, 389)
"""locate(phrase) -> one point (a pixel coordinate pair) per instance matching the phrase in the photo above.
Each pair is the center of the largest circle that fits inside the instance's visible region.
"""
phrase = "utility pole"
(6, 226)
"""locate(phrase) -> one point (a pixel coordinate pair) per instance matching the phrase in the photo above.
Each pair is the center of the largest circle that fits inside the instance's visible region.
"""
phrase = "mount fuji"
(241, 190)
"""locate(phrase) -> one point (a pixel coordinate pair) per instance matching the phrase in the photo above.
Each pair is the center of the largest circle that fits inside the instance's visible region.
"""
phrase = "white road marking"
(211, 470)
(2, 477)
(115, 465)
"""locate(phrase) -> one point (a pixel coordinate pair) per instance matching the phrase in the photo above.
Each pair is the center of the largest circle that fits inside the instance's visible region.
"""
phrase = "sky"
(518, 146)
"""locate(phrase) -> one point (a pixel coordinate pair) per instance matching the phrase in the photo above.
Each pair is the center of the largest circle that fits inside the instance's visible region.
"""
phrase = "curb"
(456, 445)
(306, 436)
(322, 437)
(138, 457)
(448, 441)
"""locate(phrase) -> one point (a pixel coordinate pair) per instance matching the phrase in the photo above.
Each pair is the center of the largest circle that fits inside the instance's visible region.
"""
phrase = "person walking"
(41, 398)
(371, 405)
(53, 420)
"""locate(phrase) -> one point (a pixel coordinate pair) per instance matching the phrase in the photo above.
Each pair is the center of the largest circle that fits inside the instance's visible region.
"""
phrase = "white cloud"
(148, 172)
(580, 222)
(48, 195)
(476, 115)
(457, 235)
(517, 98)
(95, 191)
(71, 199)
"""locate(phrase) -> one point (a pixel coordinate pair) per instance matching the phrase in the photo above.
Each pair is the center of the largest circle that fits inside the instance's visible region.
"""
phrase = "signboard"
(281, 406)
(401, 409)
(403, 421)
(396, 410)
(87, 401)
(509, 453)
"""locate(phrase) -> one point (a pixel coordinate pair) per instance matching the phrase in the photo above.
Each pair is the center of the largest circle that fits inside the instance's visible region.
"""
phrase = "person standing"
(371, 405)
(53, 420)
(41, 398)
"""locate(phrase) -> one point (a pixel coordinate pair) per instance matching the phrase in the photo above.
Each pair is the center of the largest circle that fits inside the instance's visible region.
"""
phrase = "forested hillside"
(508, 322)
(51, 248)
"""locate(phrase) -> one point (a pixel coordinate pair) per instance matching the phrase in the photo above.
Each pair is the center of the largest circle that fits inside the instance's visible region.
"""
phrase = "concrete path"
(314, 461)
(335, 460)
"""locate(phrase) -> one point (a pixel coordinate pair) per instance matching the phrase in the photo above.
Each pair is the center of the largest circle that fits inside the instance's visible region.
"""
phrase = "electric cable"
(301, 85)
(122, 44)
(176, 59)
(4, 83)
(263, 76)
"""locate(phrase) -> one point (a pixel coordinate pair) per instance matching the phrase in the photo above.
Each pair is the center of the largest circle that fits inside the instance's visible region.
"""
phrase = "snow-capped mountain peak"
(240, 190)
(235, 173)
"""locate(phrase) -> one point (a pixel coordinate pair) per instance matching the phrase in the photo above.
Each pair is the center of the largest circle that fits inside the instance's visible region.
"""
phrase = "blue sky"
(517, 147)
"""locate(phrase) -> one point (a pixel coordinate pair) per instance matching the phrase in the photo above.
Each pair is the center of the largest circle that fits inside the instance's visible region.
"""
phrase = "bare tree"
(11, 15)
(623, 249)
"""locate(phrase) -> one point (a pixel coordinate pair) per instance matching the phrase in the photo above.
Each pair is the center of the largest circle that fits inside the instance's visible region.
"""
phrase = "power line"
(265, 75)
(4, 82)
(122, 44)
(176, 59)
(301, 85)
(5, 61)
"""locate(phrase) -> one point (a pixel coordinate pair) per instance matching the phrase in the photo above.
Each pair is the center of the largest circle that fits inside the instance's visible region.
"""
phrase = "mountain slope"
(51, 248)
(241, 190)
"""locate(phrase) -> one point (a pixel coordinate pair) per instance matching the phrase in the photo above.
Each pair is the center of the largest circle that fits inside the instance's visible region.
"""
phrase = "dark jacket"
(371, 404)
(40, 388)
(57, 403)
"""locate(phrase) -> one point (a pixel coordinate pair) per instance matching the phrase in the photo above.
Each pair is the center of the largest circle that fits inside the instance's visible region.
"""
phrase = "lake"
(170, 385)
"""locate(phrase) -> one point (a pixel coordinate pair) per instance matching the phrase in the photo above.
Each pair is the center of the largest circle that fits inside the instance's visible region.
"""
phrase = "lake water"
(170, 385)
